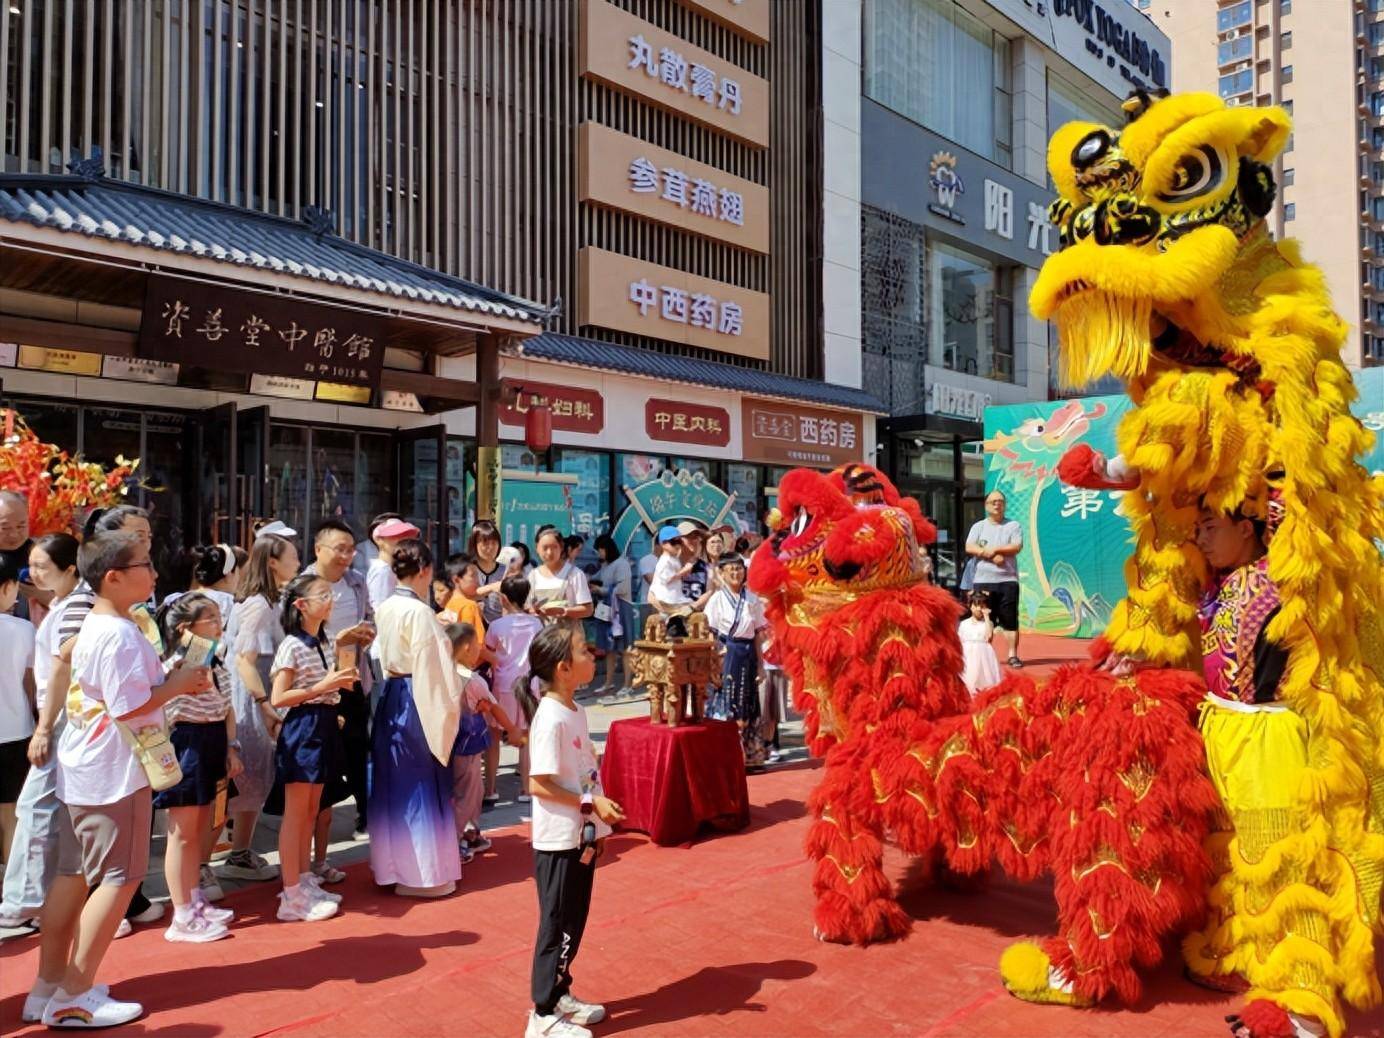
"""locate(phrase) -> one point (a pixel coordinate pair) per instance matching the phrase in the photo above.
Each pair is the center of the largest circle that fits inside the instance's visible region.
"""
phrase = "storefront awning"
(258, 244)
(631, 360)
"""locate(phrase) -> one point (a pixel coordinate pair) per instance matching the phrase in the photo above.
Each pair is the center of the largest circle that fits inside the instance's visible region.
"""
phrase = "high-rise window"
(1377, 103)
(1287, 74)
(1237, 83)
(1237, 49)
(1376, 33)
(1377, 208)
(1233, 16)
(931, 61)
(1376, 137)
(1285, 6)
(1289, 174)
(1376, 67)
(970, 320)
(1285, 40)
(1289, 211)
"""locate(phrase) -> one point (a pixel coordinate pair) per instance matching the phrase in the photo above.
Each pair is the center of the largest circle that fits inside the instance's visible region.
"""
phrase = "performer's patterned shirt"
(1238, 659)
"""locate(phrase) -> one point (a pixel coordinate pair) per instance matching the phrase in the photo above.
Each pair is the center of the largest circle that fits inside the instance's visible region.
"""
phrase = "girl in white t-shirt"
(571, 819)
(508, 640)
(557, 591)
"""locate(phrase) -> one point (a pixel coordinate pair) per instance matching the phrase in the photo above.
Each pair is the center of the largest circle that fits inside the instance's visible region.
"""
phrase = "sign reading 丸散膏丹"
(789, 434)
(672, 421)
(228, 329)
(530, 501)
(671, 498)
(626, 173)
(637, 57)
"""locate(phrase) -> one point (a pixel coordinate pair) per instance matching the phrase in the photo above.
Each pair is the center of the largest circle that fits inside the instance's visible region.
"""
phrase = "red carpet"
(714, 939)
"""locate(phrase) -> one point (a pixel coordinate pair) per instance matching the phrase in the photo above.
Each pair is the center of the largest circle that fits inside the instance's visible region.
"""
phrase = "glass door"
(217, 511)
(251, 473)
(422, 482)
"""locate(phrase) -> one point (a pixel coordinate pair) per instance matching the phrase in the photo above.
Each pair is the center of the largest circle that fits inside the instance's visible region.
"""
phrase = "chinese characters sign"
(671, 497)
(225, 329)
(675, 422)
(646, 299)
(623, 172)
(574, 409)
(639, 58)
(786, 434)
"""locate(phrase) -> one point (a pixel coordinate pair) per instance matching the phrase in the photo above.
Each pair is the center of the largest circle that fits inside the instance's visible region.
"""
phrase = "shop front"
(258, 368)
(652, 438)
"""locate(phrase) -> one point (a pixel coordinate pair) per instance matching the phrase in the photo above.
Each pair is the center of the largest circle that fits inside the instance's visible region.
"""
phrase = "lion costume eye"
(1196, 173)
(1090, 148)
(800, 522)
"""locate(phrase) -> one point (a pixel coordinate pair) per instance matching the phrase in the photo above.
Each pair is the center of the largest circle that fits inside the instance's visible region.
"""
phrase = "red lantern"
(538, 427)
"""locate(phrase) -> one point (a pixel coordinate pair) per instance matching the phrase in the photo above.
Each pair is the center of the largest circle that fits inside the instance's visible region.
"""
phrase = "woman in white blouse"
(736, 616)
(413, 837)
(557, 590)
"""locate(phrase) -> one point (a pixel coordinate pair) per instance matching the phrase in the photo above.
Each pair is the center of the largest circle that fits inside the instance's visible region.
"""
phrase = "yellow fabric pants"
(1285, 910)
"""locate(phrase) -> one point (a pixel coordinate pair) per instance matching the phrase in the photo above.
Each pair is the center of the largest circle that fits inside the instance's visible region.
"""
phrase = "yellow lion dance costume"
(1168, 279)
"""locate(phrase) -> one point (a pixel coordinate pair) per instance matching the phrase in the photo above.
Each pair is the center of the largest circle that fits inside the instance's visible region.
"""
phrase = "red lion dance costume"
(1167, 279)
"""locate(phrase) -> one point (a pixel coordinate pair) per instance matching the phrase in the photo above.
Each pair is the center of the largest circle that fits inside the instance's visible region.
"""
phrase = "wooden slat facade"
(441, 131)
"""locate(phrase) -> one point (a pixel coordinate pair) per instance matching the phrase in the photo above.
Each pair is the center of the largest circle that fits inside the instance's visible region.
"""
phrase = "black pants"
(355, 743)
(564, 899)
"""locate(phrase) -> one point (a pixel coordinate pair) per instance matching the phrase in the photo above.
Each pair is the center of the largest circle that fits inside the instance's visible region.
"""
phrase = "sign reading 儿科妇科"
(574, 408)
(671, 498)
(789, 434)
(227, 329)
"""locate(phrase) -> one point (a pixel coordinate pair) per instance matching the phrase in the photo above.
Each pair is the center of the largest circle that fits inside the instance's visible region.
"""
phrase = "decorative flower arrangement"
(58, 486)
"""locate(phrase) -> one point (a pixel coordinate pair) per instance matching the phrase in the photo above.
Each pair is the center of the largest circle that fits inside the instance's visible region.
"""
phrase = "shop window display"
(590, 500)
(743, 482)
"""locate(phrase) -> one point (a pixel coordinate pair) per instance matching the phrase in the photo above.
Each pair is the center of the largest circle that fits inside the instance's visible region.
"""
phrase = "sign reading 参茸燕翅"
(787, 434)
(631, 295)
(227, 329)
(672, 421)
(573, 408)
(639, 58)
(625, 173)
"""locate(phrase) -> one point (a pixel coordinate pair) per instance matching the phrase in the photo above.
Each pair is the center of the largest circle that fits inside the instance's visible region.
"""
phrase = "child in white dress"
(982, 666)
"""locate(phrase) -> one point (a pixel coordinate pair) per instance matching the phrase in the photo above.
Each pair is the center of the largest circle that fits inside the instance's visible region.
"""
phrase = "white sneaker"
(89, 1009)
(205, 910)
(304, 909)
(34, 1005)
(555, 1026)
(197, 930)
(152, 914)
(312, 883)
(210, 885)
(581, 1012)
(123, 930)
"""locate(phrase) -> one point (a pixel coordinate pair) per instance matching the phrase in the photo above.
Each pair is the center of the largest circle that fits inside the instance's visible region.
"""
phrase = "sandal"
(1015, 662)
(326, 873)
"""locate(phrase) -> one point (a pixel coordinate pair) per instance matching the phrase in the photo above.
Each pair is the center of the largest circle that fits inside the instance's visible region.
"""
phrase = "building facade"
(639, 181)
(1324, 63)
(958, 102)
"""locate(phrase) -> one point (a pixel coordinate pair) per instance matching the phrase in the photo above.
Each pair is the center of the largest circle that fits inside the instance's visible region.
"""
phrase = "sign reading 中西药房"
(673, 421)
(228, 329)
(626, 173)
(637, 57)
(630, 295)
(789, 434)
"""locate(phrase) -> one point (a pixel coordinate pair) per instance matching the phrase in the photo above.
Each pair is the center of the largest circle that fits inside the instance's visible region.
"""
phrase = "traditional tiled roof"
(161, 220)
(588, 353)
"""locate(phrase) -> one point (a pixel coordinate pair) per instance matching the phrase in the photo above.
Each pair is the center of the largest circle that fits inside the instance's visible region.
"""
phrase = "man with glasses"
(334, 549)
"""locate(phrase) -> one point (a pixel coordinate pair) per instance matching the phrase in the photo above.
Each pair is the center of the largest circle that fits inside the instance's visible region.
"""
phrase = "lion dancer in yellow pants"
(1290, 913)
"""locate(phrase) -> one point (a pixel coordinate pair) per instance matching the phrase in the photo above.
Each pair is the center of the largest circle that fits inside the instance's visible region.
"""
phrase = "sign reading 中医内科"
(229, 329)
(672, 421)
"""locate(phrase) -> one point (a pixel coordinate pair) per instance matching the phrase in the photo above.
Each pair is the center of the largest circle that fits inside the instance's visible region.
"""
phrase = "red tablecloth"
(672, 781)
